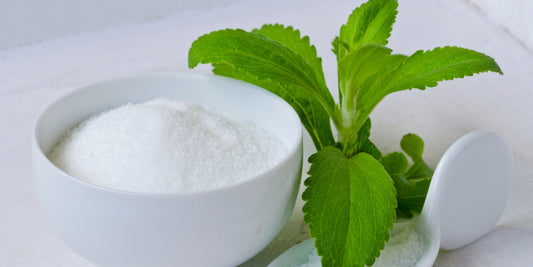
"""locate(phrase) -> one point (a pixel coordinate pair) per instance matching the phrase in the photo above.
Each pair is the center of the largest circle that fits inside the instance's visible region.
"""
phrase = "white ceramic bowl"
(220, 227)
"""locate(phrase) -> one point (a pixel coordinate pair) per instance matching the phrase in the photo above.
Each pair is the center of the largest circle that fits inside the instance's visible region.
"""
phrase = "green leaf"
(350, 207)
(410, 194)
(419, 170)
(370, 73)
(364, 143)
(358, 66)
(372, 87)
(277, 67)
(413, 146)
(357, 72)
(411, 183)
(371, 23)
(290, 37)
(413, 195)
(426, 68)
(395, 162)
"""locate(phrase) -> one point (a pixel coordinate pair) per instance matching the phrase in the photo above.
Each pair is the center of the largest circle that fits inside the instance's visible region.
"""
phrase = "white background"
(48, 48)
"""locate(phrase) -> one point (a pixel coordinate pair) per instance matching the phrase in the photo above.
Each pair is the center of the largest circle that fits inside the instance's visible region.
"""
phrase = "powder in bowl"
(165, 146)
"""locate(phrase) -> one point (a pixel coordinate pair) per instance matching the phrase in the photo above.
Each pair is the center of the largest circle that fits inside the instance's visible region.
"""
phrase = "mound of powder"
(403, 249)
(165, 146)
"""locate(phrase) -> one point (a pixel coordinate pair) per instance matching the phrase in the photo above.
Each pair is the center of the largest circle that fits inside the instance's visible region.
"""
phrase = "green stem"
(349, 125)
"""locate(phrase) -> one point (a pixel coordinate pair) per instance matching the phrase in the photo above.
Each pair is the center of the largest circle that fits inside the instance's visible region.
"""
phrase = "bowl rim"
(293, 147)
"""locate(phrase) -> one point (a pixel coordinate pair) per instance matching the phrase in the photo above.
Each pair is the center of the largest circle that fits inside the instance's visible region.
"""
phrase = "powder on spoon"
(165, 146)
(403, 249)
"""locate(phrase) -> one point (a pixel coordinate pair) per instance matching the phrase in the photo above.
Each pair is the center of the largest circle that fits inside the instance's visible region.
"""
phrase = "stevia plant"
(353, 194)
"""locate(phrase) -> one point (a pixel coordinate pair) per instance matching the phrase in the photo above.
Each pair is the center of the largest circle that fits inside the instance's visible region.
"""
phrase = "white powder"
(164, 146)
(313, 260)
(403, 249)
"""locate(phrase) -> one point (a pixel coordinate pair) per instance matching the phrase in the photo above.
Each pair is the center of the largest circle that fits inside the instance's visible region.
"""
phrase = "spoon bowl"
(467, 194)
(431, 236)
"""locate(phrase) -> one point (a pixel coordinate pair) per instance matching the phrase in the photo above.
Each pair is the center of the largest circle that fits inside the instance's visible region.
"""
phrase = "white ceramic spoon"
(466, 198)
(467, 194)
